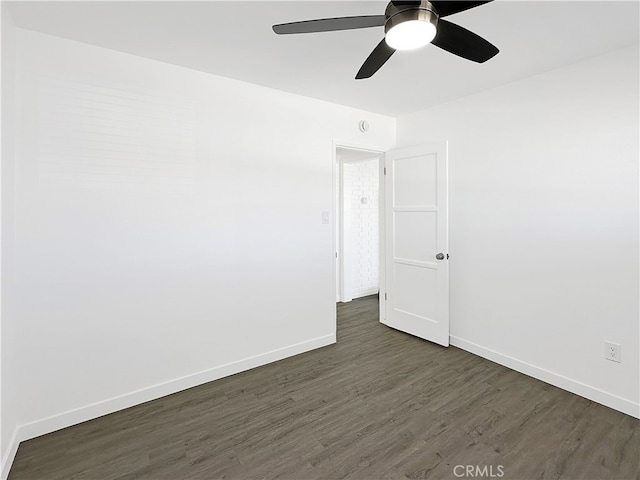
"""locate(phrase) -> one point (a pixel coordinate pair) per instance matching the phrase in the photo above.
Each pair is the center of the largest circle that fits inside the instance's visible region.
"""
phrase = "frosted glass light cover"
(410, 35)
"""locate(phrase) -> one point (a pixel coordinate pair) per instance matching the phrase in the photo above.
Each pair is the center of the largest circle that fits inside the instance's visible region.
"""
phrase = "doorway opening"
(357, 222)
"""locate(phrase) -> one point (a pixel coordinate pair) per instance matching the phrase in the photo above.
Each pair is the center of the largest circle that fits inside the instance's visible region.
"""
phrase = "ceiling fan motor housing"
(397, 14)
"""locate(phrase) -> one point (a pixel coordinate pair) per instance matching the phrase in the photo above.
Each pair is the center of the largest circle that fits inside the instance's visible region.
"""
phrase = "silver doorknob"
(440, 256)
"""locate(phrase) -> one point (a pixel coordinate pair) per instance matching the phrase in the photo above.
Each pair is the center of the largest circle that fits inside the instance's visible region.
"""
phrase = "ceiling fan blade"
(460, 41)
(445, 8)
(378, 57)
(330, 24)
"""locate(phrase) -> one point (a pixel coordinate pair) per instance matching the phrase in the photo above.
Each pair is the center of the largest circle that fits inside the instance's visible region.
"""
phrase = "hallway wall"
(362, 202)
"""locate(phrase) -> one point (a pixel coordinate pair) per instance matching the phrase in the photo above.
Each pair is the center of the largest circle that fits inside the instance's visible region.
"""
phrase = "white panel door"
(416, 242)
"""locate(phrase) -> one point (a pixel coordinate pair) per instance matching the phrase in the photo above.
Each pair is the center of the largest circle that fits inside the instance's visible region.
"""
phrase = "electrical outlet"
(613, 351)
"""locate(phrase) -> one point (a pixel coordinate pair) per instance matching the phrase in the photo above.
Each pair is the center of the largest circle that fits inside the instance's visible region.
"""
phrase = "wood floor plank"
(379, 404)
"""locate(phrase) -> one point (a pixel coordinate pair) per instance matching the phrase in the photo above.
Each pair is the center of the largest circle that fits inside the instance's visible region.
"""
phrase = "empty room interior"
(320, 240)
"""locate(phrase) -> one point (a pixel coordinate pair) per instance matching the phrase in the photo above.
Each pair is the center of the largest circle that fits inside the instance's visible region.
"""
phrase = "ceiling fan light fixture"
(410, 35)
(410, 28)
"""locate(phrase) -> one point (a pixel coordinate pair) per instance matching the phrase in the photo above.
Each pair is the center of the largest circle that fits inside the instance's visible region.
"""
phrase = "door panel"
(418, 297)
(416, 213)
(413, 234)
(417, 175)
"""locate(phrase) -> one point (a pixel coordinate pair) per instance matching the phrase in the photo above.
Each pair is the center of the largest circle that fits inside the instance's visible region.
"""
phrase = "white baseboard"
(105, 407)
(600, 396)
(8, 458)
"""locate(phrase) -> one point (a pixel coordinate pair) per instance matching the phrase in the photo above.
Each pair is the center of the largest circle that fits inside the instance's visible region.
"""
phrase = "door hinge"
(447, 256)
(385, 170)
(385, 295)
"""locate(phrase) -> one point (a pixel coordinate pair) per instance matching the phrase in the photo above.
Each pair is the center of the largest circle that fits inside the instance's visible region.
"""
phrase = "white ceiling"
(234, 39)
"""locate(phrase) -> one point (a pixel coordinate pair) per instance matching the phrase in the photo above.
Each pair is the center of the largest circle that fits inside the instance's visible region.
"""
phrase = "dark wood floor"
(379, 404)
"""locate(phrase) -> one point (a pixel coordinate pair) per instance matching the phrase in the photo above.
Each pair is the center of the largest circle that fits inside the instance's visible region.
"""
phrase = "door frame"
(382, 152)
(339, 267)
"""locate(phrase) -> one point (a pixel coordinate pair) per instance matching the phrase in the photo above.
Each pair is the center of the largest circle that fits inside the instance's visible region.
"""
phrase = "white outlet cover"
(613, 351)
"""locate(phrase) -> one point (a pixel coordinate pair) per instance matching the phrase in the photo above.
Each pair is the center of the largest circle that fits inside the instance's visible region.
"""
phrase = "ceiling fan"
(408, 24)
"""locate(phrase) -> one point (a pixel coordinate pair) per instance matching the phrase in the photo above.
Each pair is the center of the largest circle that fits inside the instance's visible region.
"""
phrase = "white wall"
(361, 182)
(8, 348)
(168, 225)
(544, 223)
